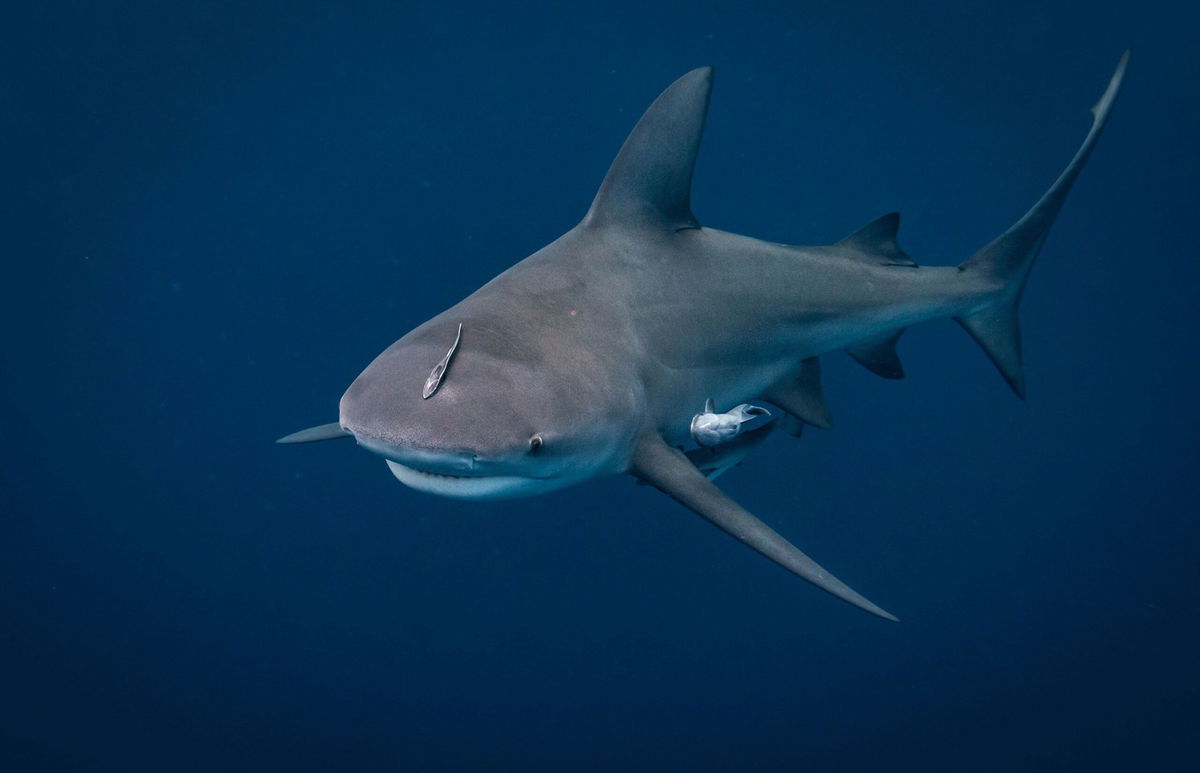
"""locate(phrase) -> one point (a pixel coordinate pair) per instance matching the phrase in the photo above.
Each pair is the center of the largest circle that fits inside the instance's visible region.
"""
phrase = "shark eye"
(535, 444)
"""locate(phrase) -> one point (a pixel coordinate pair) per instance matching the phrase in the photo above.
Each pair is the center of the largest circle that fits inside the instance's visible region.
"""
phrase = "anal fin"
(879, 356)
(668, 470)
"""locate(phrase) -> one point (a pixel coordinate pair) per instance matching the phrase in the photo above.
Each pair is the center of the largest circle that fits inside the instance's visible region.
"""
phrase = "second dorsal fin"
(876, 241)
(650, 180)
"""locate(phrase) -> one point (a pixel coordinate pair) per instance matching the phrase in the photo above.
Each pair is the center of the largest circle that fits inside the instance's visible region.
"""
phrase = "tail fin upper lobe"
(1008, 260)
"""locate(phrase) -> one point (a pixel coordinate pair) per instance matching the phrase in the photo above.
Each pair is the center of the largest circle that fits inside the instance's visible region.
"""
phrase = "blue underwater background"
(216, 214)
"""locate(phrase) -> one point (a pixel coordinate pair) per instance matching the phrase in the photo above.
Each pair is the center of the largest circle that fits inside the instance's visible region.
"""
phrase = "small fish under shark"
(591, 356)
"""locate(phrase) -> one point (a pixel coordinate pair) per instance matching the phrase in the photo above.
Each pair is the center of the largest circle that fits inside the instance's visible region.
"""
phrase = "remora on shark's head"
(592, 356)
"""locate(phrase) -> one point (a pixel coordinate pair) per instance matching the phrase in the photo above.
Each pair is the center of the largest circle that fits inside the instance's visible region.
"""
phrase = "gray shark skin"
(591, 356)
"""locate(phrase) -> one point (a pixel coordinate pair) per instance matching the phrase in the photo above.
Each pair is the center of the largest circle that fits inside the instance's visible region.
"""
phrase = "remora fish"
(589, 357)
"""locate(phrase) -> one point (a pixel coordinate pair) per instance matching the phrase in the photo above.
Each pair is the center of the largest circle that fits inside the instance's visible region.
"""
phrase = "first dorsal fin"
(876, 241)
(650, 180)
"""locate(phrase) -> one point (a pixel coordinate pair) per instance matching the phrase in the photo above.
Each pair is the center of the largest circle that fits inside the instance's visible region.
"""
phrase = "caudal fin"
(1008, 260)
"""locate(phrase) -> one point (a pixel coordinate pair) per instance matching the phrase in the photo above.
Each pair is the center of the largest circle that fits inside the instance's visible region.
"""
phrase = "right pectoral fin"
(668, 470)
(331, 431)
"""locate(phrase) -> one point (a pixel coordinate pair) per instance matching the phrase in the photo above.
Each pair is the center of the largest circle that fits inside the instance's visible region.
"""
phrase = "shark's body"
(592, 356)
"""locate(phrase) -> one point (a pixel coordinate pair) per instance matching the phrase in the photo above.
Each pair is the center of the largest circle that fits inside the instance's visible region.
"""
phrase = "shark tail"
(1005, 264)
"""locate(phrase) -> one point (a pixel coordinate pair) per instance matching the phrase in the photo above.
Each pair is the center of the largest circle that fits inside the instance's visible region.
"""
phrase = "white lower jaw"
(484, 487)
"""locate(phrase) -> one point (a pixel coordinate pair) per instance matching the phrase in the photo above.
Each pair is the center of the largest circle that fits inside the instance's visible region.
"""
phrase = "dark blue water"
(215, 215)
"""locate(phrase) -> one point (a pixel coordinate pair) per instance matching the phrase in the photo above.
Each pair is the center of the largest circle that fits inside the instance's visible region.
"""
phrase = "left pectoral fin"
(668, 470)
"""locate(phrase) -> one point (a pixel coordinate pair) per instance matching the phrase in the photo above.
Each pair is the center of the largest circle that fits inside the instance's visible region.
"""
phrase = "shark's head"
(503, 417)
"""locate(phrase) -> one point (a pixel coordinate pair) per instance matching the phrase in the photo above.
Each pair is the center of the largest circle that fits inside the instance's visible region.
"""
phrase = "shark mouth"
(466, 486)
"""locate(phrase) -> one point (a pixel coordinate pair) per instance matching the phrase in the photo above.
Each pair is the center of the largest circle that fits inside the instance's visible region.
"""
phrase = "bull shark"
(591, 357)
